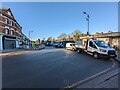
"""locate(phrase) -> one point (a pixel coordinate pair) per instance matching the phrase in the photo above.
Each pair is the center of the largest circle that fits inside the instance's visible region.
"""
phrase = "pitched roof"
(3, 9)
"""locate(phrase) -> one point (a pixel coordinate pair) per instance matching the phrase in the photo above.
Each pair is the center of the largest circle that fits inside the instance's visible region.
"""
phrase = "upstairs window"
(7, 31)
(12, 32)
(12, 23)
(6, 21)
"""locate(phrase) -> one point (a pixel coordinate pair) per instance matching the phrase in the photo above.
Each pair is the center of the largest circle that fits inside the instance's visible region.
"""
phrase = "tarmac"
(108, 80)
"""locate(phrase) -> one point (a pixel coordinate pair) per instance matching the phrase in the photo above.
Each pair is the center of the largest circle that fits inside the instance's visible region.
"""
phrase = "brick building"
(10, 31)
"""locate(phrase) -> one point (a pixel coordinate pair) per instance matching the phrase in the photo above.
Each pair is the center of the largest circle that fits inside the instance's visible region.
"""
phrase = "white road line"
(81, 81)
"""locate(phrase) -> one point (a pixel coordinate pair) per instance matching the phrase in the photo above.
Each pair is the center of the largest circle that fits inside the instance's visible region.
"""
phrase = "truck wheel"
(96, 55)
(79, 51)
(73, 49)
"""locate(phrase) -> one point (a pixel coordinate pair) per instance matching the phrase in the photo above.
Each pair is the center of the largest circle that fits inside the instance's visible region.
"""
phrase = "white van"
(70, 46)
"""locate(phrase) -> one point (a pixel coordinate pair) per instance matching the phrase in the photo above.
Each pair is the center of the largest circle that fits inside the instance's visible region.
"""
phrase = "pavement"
(20, 49)
(118, 57)
(108, 80)
(15, 51)
(10, 50)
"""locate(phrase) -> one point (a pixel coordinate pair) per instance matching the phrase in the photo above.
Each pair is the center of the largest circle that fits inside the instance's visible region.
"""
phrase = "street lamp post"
(29, 33)
(87, 19)
(29, 36)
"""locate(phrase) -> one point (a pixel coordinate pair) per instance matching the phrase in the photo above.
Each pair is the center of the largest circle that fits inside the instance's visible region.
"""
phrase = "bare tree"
(69, 38)
(76, 32)
(44, 39)
(49, 39)
(53, 39)
(63, 36)
(76, 35)
(37, 41)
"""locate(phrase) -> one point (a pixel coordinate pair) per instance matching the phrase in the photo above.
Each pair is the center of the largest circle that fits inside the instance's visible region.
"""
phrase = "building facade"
(113, 38)
(10, 31)
(25, 41)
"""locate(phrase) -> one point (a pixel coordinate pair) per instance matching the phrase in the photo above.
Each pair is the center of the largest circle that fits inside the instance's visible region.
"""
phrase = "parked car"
(48, 43)
(55, 44)
(42, 46)
(70, 46)
(65, 42)
(60, 45)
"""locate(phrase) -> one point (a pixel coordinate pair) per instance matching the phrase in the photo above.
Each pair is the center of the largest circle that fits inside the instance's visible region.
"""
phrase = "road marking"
(81, 81)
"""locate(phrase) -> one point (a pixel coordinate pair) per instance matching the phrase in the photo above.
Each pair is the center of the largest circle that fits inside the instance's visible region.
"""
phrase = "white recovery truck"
(97, 48)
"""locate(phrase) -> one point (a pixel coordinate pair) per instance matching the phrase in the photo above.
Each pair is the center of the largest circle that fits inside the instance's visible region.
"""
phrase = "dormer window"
(9, 13)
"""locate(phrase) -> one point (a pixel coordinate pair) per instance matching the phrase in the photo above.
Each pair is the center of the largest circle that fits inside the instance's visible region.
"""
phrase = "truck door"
(91, 47)
(86, 47)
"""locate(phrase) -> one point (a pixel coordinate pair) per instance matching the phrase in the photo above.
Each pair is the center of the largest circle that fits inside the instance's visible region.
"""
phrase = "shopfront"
(9, 42)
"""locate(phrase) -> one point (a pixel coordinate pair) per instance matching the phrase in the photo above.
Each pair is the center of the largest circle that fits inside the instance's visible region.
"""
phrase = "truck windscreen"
(101, 44)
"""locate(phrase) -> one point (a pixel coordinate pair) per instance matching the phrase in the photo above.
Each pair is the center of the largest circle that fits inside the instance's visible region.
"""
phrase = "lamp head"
(84, 12)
